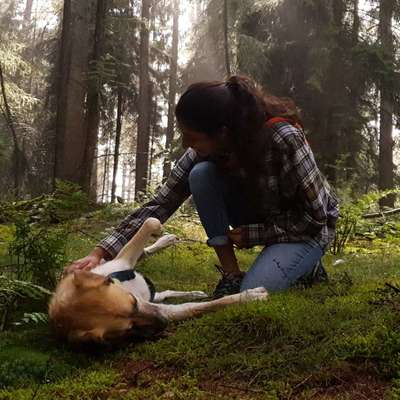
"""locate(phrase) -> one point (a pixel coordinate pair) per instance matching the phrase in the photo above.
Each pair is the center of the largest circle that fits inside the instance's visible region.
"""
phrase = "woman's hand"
(236, 237)
(87, 263)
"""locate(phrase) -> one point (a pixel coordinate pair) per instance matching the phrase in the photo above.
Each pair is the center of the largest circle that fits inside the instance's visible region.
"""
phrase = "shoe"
(228, 284)
(317, 275)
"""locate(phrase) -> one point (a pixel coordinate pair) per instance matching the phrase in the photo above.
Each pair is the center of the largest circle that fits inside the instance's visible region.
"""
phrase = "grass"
(333, 341)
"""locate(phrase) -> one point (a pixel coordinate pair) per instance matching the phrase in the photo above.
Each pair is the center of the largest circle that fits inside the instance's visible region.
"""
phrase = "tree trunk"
(117, 143)
(108, 169)
(226, 39)
(93, 95)
(17, 154)
(143, 131)
(28, 12)
(71, 132)
(105, 168)
(124, 176)
(173, 78)
(333, 99)
(129, 194)
(153, 130)
(386, 173)
(351, 137)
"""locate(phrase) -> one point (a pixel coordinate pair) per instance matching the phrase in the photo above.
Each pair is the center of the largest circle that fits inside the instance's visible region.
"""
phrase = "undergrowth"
(331, 341)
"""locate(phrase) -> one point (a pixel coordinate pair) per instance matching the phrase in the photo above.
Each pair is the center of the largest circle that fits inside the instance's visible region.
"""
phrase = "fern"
(34, 317)
(13, 289)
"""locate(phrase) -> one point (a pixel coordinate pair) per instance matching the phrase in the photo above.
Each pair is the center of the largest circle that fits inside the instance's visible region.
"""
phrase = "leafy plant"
(39, 253)
(33, 317)
(13, 289)
(350, 215)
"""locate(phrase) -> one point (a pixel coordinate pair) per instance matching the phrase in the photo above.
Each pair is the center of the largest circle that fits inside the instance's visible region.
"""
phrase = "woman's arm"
(167, 200)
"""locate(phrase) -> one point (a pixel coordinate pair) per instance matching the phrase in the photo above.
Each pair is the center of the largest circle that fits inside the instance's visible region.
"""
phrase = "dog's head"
(88, 307)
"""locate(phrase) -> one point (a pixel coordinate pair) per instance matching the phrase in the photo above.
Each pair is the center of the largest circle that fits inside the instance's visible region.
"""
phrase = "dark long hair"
(239, 105)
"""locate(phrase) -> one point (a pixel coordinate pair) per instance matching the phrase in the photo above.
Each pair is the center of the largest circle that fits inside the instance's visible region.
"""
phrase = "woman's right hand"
(87, 263)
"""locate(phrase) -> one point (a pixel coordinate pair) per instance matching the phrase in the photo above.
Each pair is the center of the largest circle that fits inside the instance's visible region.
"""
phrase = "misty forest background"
(88, 88)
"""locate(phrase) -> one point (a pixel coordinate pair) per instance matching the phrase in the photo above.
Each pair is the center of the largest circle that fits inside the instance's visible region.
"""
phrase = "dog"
(113, 302)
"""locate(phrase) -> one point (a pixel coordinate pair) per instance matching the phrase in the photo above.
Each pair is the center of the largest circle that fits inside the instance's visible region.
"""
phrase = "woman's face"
(203, 144)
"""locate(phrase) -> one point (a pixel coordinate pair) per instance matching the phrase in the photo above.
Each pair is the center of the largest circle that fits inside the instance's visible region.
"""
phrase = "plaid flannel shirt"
(296, 201)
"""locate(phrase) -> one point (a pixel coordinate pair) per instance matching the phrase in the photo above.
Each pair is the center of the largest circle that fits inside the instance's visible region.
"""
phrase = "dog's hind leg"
(178, 312)
(174, 294)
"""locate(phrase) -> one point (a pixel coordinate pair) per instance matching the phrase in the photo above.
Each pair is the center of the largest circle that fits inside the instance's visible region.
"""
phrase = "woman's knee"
(201, 174)
(279, 266)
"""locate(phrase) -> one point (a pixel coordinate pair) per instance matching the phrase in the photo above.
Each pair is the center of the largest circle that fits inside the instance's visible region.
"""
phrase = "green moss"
(270, 347)
(85, 386)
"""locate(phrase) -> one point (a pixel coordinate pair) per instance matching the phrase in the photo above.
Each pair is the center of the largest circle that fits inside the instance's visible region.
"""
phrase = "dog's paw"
(259, 293)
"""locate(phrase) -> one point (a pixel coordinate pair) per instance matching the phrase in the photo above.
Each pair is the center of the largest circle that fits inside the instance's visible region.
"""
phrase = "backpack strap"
(274, 120)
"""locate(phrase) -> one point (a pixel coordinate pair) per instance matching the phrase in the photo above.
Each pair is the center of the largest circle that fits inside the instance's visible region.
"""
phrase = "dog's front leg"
(177, 312)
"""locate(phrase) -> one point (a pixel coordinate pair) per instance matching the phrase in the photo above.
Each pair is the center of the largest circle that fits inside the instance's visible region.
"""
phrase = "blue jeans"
(221, 203)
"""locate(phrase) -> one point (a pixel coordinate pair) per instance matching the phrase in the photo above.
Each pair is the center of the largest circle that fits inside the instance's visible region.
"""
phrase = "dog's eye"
(108, 281)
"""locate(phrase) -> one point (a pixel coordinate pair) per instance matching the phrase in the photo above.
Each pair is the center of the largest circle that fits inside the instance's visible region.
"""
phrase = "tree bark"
(71, 130)
(105, 168)
(117, 143)
(333, 98)
(351, 138)
(9, 119)
(124, 176)
(28, 12)
(143, 134)
(92, 102)
(153, 128)
(173, 78)
(386, 173)
(226, 38)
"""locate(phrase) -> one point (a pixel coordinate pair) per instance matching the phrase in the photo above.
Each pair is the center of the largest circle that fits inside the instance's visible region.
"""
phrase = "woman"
(248, 166)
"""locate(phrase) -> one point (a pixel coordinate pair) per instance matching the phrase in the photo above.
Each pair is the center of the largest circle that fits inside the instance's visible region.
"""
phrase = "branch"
(381, 213)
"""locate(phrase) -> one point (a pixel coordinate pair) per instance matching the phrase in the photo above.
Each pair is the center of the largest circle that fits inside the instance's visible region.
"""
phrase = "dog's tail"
(132, 251)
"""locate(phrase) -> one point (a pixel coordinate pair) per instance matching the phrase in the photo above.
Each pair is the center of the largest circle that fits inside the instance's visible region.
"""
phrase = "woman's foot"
(228, 284)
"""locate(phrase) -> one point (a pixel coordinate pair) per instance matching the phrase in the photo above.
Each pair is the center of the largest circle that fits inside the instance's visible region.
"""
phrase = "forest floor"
(339, 340)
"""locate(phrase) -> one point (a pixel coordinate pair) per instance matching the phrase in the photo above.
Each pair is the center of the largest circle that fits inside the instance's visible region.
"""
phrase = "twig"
(302, 382)
(3, 319)
(182, 241)
(9, 265)
(87, 234)
(134, 379)
(333, 290)
(396, 289)
(240, 388)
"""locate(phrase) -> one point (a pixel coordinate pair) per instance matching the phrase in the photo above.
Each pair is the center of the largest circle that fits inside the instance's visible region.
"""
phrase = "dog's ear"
(87, 280)
(95, 336)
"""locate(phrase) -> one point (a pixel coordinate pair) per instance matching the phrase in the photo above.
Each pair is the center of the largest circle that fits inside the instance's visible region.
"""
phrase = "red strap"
(275, 120)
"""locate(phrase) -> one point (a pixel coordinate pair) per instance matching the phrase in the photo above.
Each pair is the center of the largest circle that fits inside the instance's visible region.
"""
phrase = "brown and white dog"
(95, 307)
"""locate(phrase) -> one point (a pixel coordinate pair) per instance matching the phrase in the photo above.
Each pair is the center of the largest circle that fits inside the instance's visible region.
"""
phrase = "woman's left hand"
(236, 237)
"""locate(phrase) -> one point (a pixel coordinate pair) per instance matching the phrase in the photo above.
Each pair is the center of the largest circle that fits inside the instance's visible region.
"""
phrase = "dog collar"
(129, 274)
(123, 276)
